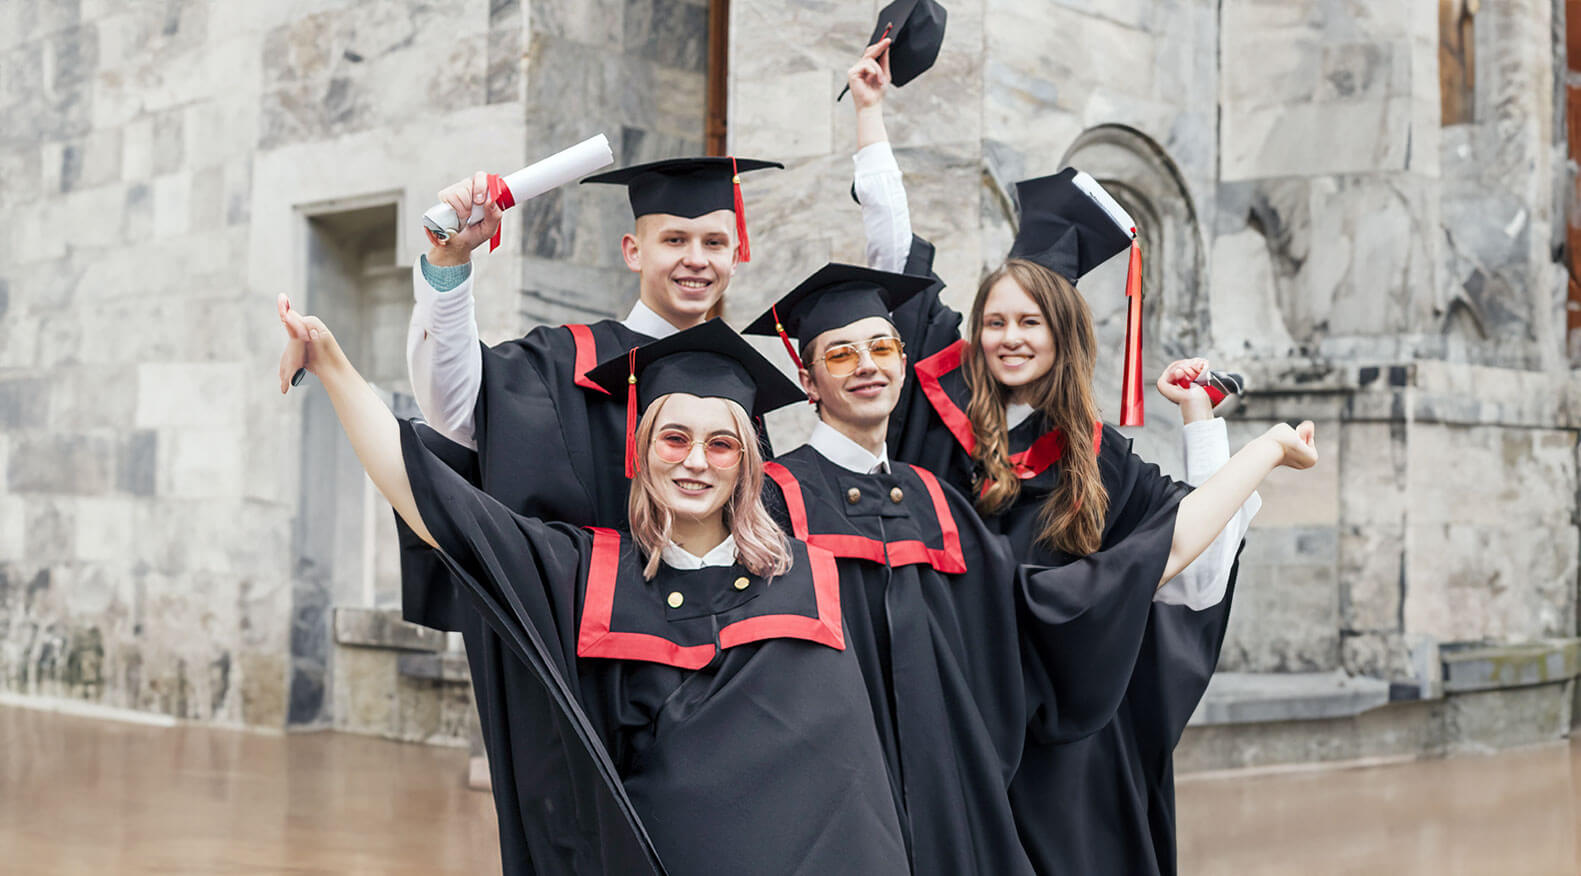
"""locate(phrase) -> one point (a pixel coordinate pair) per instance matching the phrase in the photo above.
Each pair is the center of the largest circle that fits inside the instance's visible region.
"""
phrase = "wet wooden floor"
(79, 795)
(87, 796)
(1508, 814)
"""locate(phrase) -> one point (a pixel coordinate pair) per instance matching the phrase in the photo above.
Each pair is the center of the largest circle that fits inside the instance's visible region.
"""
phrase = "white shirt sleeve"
(885, 216)
(443, 358)
(1202, 584)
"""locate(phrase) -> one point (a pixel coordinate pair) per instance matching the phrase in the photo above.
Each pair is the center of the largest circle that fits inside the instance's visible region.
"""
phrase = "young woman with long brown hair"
(1008, 412)
(708, 714)
(1008, 416)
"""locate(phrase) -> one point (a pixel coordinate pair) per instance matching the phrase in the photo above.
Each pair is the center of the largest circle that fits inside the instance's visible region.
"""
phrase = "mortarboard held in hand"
(688, 187)
(1070, 225)
(835, 295)
(916, 31)
(708, 361)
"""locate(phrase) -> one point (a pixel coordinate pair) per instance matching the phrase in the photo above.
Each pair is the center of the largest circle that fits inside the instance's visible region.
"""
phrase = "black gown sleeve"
(1088, 618)
(429, 596)
(523, 575)
(926, 325)
(528, 400)
(1180, 648)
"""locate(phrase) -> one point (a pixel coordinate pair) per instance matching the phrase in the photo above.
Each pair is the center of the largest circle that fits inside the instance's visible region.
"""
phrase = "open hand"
(461, 196)
(309, 345)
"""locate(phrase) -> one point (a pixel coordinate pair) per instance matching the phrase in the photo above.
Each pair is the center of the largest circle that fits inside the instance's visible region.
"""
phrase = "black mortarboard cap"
(688, 187)
(1069, 224)
(708, 361)
(835, 295)
(916, 31)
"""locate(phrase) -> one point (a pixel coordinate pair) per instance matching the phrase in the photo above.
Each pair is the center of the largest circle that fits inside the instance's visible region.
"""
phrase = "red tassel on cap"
(631, 414)
(1131, 382)
(500, 194)
(784, 338)
(744, 248)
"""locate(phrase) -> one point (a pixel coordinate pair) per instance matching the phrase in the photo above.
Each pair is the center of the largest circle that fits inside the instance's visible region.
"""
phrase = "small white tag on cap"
(1105, 201)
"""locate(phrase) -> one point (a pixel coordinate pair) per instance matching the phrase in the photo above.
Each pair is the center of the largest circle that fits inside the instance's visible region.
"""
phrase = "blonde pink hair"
(761, 546)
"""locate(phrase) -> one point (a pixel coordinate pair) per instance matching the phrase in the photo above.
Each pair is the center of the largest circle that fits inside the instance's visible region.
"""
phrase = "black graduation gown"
(551, 446)
(958, 653)
(1103, 803)
(728, 704)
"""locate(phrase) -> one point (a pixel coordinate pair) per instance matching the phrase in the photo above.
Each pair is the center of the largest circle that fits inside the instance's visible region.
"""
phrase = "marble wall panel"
(1286, 612)
(1377, 655)
(1276, 141)
(1527, 472)
(789, 116)
(589, 22)
(1372, 577)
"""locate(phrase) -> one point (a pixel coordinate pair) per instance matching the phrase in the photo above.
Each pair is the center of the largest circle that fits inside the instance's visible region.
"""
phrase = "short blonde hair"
(761, 546)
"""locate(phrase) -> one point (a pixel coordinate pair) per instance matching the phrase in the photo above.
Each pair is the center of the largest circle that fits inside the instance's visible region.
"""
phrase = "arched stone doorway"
(1143, 178)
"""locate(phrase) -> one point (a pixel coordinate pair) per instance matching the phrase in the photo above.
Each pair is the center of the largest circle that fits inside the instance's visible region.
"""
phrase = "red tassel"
(631, 414)
(1131, 382)
(784, 338)
(501, 195)
(744, 249)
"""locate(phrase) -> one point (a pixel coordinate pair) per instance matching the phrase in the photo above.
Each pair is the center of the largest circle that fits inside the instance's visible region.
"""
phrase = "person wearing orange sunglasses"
(968, 659)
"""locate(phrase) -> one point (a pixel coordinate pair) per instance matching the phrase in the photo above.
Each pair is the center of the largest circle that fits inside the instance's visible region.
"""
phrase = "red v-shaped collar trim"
(1045, 450)
(825, 629)
(596, 639)
(949, 559)
(928, 372)
(586, 356)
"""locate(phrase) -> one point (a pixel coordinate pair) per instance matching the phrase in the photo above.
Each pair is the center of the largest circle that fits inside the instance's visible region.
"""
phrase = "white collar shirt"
(844, 452)
(677, 557)
(644, 320)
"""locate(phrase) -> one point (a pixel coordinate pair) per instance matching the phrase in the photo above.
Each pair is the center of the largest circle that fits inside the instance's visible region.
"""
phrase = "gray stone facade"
(173, 166)
(1308, 220)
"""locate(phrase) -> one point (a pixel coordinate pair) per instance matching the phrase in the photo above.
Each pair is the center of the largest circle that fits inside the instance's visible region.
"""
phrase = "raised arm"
(442, 353)
(1204, 512)
(886, 219)
(1203, 583)
(369, 425)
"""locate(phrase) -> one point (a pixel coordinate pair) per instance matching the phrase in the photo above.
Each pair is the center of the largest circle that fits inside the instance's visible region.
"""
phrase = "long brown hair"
(761, 545)
(1073, 515)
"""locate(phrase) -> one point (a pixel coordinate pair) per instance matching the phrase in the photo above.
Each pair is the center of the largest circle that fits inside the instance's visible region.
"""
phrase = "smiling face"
(1016, 340)
(862, 400)
(692, 489)
(685, 264)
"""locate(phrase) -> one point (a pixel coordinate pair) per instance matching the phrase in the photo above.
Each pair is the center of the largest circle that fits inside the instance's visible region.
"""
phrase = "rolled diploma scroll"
(530, 182)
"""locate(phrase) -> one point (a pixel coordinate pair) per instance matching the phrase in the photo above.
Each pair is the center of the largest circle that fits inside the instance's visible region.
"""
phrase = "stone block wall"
(168, 158)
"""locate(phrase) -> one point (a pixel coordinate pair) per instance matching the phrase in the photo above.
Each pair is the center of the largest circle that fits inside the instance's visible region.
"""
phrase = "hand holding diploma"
(484, 197)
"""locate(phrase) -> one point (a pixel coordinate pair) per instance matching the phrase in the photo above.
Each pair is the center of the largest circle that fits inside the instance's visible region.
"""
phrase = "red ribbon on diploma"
(1131, 382)
(500, 194)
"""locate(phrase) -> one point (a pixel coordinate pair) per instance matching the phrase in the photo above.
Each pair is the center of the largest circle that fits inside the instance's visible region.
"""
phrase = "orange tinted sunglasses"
(841, 360)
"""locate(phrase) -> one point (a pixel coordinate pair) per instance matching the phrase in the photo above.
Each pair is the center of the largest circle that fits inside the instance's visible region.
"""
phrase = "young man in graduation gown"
(956, 653)
(548, 441)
